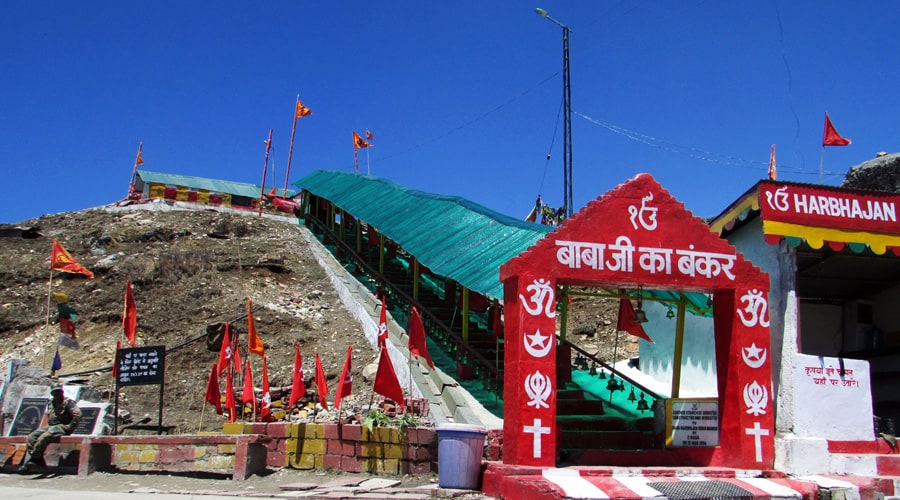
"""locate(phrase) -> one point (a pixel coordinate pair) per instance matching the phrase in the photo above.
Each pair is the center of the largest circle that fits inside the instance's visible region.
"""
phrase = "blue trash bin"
(460, 448)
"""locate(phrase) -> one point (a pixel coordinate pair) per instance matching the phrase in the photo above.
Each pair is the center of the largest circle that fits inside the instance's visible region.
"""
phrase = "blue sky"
(463, 98)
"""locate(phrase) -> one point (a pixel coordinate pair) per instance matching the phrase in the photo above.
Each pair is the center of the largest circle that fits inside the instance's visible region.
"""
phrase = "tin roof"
(453, 236)
(212, 185)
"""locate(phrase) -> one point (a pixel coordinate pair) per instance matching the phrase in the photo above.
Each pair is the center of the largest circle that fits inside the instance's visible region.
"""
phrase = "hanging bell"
(632, 397)
(670, 313)
(639, 316)
(612, 385)
(593, 369)
(602, 375)
(642, 404)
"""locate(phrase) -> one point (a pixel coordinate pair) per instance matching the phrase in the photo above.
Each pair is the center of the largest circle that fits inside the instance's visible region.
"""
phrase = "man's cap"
(56, 387)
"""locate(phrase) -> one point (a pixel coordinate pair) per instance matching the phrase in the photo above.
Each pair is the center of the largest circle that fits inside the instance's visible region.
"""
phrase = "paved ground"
(285, 483)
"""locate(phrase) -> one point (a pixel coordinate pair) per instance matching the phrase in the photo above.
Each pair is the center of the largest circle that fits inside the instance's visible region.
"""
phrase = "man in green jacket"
(63, 417)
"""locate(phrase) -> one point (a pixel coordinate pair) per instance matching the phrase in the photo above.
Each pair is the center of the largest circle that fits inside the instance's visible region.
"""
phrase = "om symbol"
(650, 223)
(756, 309)
(542, 298)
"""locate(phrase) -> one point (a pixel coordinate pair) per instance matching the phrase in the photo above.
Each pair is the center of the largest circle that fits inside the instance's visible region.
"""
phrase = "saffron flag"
(831, 136)
(359, 142)
(626, 321)
(773, 174)
(265, 411)
(254, 345)
(345, 383)
(386, 382)
(139, 160)
(213, 396)
(236, 353)
(247, 396)
(369, 135)
(320, 383)
(57, 361)
(129, 315)
(382, 325)
(416, 330)
(60, 260)
(301, 110)
(298, 387)
(226, 352)
(229, 397)
(116, 359)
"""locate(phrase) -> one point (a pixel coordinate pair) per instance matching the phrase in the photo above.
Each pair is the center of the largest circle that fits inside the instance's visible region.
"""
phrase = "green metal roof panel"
(212, 185)
(455, 237)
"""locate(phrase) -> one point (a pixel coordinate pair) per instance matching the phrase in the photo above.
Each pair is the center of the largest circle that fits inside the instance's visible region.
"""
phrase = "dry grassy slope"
(183, 279)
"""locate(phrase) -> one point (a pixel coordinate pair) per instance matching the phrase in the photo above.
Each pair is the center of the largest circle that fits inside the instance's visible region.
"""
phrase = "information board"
(89, 416)
(692, 422)
(28, 416)
(141, 365)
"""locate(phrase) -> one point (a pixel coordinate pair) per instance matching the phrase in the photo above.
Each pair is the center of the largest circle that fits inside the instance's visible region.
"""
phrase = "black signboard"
(89, 416)
(141, 365)
(28, 417)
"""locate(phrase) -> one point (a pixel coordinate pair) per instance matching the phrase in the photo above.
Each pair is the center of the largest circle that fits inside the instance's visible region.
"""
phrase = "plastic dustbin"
(460, 448)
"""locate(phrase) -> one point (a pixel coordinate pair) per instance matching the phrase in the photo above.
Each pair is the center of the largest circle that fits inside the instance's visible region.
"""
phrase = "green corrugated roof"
(453, 236)
(212, 185)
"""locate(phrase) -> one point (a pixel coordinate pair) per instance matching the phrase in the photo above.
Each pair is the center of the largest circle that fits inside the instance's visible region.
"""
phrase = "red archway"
(638, 234)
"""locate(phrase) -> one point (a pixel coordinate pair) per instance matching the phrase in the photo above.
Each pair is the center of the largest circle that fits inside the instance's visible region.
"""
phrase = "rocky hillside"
(189, 269)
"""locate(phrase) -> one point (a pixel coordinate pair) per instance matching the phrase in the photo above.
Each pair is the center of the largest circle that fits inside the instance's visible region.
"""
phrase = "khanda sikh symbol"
(542, 298)
(756, 309)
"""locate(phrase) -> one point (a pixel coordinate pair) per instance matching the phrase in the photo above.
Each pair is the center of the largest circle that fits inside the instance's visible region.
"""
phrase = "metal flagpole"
(262, 185)
(291, 150)
(822, 164)
(47, 324)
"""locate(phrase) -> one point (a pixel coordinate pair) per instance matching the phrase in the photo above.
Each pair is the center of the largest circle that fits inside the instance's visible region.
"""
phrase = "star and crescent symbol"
(754, 357)
(537, 344)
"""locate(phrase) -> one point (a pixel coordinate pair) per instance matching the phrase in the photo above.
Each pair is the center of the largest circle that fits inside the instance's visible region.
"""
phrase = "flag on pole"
(359, 142)
(773, 174)
(345, 383)
(129, 315)
(386, 382)
(116, 358)
(57, 362)
(254, 345)
(301, 109)
(213, 396)
(226, 352)
(60, 260)
(369, 135)
(230, 404)
(298, 386)
(139, 160)
(626, 321)
(67, 316)
(417, 345)
(247, 396)
(382, 324)
(321, 387)
(265, 412)
(831, 136)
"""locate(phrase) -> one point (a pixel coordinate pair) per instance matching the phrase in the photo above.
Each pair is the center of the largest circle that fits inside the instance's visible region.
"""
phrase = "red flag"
(345, 383)
(213, 396)
(320, 383)
(226, 352)
(265, 412)
(301, 110)
(773, 174)
(116, 358)
(298, 387)
(382, 325)
(247, 396)
(369, 135)
(372, 236)
(416, 330)
(229, 397)
(236, 353)
(626, 321)
(386, 382)
(129, 315)
(254, 345)
(831, 136)
(67, 335)
(359, 142)
(60, 260)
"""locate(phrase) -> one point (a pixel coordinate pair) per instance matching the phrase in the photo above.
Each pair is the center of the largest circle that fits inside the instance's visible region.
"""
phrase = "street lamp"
(567, 115)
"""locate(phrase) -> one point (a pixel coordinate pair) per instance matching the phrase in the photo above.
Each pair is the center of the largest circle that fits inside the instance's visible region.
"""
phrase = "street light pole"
(567, 115)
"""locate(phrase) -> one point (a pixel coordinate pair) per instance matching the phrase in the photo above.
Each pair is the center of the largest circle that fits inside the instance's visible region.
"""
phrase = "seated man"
(63, 417)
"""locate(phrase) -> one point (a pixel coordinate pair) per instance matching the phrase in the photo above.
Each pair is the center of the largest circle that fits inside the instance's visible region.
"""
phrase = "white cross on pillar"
(757, 432)
(538, 430)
